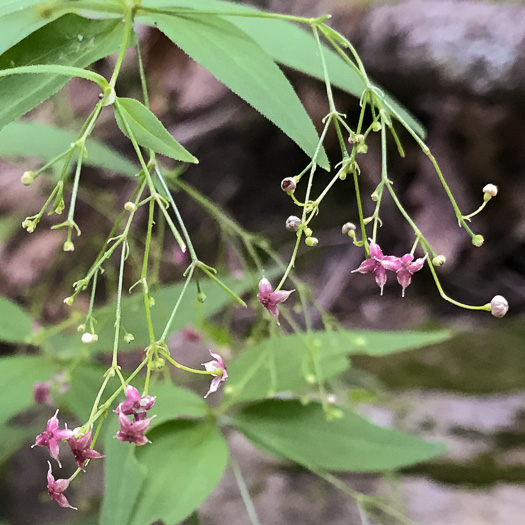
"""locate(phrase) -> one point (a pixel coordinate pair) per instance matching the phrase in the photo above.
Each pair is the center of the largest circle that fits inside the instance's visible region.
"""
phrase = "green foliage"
(71, 41)
(304, 435)
(184, 466)
(235, 59)
(18, 374)
(137, 121)
(16, 325)
(47, 142)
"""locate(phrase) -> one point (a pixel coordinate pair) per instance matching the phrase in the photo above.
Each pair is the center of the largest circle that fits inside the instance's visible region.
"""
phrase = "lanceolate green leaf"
(18, 374)
(124, 479)
(148, 130)
(69, 41)
(289, 44)
(302, 434)
(236, 60)
(46, 142)
(16, 325)
(185, 462)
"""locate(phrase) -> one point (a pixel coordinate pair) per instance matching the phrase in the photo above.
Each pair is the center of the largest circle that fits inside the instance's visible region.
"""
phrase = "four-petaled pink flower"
(216, 364)
(270, 299)
(133, 431)
(80, 447)
(56, 488)
(51, 436)
(405, 267)
(377, 264)
(135, 404)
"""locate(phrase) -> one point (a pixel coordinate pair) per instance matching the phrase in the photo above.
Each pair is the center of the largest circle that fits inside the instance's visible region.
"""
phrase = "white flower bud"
(27, 178)
(69, 300)
(438, 260)
(499, 306)
(87, 338)
(490, 190)
(130, 206)
(478, 240)
(347, 228)
(288, 184)
(311, 241)
(293, 223)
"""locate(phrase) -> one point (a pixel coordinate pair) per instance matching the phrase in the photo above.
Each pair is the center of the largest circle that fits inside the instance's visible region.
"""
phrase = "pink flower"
(378, 264)
(133, 431)
(216, 365)
(135, 404)
(270, 299)
(51, 436)
(80, 447)
(407, 267)
(56, 488)
(41, 393)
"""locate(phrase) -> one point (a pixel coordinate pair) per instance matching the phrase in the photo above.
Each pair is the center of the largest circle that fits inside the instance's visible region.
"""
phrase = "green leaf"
(292, 45)
(185, 462)
(174, 402)
(124, 480)
(280, 364)
(69, 41)
(46, 142)
(148, 130)
(16, 325)
(302, 434)
(18, 374)
(235, 59)
(9, 6)
(15, 26)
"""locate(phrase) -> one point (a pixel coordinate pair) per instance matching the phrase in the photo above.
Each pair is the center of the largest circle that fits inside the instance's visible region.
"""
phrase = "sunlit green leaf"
(185, 462)
(235, 59)
(46, 142)
(18, 374)
(302, 434)
(16, 325)
(124, 480)
(70, 41)
(148, 130)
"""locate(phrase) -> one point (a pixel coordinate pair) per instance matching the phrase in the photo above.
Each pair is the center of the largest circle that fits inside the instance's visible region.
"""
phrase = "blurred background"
(459, 67)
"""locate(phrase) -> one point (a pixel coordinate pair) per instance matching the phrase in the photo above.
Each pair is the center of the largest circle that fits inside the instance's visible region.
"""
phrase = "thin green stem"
(118, 310)
(128, 28)
(166, 354)
(245, 493)
(144, 274)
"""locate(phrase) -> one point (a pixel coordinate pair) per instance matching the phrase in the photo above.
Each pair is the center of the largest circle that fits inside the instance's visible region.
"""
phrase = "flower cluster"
(379, 264)
(136, 406)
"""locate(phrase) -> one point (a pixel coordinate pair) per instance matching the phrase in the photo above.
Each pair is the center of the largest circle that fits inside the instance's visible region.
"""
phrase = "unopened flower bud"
(130, 206)
(69, 300)
(499, 306)
(375, 196)
(438, 260)
(293, 223)
(87, 338)
(478, 240)
(311, 241)
(367, 220)
(69, 246)
(348, 228)
(201, 297)
(342, 175)
(151, 301)
(361, 148)
(331, 399)
(288, 184)
(81, 328)
(356, 139)
(129, 337)
(158, 364)
(490, 190)
(308, 232)
(376, 126)
(27, 178)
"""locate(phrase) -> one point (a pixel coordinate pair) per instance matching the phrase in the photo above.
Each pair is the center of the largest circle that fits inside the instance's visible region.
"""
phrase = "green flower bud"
(478, 240)
(361, 148)
(438, 260)
(311, 241)
(130, 206)
(308, 232)
(27, 178)
(376, 126)
(69, 246)
(129, 337)
(69, 300)
(201, 297)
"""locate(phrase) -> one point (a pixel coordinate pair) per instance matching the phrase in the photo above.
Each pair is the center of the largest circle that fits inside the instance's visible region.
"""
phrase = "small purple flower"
(378, 264)
(56, 488)
(216, 364)
(270, 299)
(135, 404)
(41, 393)
(133, 431)
(51, 436)
(406, 268)
(80, 447)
